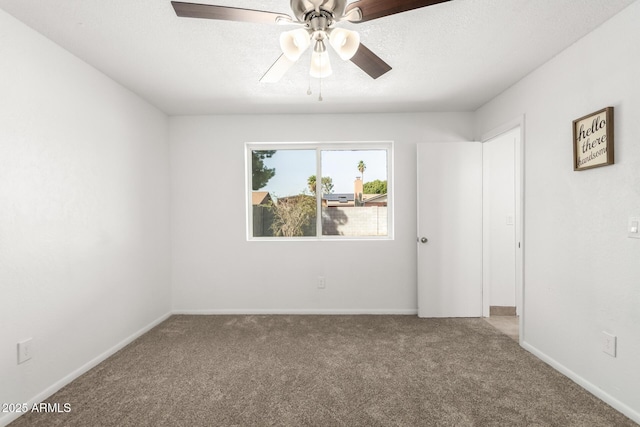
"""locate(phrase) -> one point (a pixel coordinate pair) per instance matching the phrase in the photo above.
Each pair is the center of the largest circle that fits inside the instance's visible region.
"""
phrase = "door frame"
(518, 122)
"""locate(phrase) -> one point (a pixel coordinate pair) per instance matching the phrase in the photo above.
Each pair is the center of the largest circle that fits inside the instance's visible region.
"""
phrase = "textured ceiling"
(454, 56)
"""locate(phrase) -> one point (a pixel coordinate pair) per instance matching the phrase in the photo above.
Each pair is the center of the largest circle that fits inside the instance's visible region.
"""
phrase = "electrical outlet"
(322, 282)
(24, 351)
(609, 343)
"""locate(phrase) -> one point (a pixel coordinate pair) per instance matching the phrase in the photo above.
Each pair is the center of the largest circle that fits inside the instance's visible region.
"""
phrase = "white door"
(450, 229)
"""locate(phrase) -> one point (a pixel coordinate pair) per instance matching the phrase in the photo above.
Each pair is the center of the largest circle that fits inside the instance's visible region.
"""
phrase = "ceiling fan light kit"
(318, 20)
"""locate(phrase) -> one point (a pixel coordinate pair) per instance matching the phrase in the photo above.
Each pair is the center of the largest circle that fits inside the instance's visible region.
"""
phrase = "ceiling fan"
(318, 22)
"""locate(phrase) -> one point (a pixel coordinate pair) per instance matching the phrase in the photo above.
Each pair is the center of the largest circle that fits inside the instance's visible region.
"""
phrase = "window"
(352, 199)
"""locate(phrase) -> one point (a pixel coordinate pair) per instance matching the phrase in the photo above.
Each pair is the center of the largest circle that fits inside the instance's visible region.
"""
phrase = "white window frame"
(319, 147)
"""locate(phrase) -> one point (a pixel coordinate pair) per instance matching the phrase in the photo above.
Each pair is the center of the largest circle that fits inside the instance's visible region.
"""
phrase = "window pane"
(282, 203)
(354, 192)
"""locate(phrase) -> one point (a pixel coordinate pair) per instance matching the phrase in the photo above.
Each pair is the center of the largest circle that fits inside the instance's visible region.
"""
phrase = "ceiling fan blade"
(277, 70)
(209, 11)
(369, 62)
(374, 9)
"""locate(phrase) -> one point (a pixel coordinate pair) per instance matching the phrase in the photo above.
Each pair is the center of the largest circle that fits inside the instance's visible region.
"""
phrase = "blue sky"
(293, 168)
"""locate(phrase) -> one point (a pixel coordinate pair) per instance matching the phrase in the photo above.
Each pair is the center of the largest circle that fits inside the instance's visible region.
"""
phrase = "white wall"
(84, 229)
(582, 274)
(215, 270)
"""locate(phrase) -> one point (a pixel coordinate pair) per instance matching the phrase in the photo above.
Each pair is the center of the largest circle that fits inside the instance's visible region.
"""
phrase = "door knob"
(424, 240)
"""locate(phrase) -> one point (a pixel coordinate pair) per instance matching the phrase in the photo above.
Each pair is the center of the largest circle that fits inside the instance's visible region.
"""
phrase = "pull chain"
(320, 90)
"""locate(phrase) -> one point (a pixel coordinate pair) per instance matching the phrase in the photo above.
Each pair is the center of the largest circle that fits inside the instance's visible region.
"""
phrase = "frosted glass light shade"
(294, 43)
(320, 65)
(344, 42)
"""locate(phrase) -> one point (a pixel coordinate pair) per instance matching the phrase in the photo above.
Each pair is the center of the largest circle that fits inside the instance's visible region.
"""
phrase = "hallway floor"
(508, 325)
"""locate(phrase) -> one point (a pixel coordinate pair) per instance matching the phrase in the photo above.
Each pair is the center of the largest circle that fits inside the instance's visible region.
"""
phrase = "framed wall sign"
(593, 140)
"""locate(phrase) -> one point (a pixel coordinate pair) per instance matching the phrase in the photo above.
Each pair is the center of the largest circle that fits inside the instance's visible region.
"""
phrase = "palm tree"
(326, 182)
(311, 183)
(362, 167)
(358, 197)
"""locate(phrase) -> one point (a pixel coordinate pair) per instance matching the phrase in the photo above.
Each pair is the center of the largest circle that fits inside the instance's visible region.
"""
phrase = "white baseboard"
(4, 421)
(590, 387)
(253, 311)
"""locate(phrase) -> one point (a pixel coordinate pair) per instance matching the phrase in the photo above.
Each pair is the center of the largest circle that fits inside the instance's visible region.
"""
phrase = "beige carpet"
(324, 371)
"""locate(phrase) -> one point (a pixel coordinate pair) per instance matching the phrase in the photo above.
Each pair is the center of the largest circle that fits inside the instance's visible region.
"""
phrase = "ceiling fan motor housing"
(304, 9)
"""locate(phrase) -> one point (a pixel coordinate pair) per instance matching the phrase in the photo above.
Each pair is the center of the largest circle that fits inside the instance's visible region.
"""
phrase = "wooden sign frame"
(593, 140)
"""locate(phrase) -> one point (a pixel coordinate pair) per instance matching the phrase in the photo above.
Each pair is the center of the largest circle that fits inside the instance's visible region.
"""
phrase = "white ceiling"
(454, 56)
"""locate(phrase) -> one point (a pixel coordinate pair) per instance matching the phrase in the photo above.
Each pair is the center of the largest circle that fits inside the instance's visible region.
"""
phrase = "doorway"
(502, 254)
(452, 264)
(499, 224)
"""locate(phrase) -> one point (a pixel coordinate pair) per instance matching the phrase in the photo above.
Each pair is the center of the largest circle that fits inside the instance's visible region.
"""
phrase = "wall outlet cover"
(609, 343)
(322, 282)
(24, 351)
